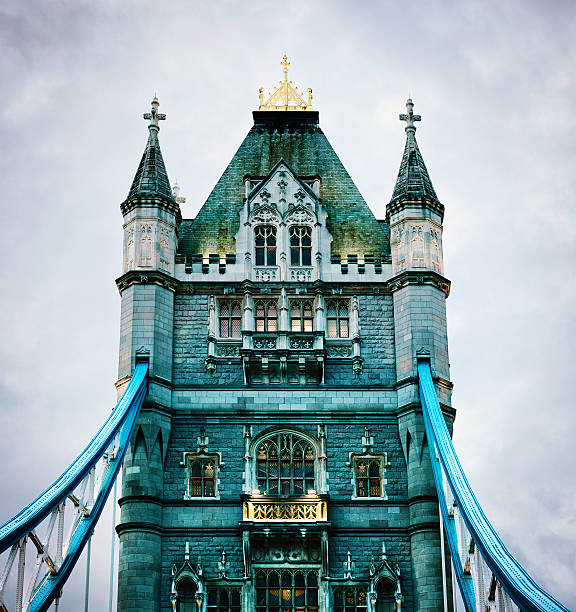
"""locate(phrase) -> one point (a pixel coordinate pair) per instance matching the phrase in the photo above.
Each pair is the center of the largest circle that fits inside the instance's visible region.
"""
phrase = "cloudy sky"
(495, 83)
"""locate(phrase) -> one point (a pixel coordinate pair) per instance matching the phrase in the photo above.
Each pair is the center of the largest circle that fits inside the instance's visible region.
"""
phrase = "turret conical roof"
(413, 180)
(151, 177)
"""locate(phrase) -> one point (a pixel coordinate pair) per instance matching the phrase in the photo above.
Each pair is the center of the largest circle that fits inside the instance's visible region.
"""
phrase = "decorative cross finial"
(154, 116)
(176, 192)
(285, 63)
(410, 117)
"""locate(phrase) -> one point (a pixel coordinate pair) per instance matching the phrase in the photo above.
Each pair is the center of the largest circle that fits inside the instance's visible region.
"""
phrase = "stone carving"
(264, 214)
(145, 246)
(339, 350)
(264, 343)
(301, 343)
(228, 350)
(266, 274)
(300, 216)
(301, 275)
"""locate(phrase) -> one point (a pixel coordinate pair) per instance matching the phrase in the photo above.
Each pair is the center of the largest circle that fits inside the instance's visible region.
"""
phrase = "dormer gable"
(283, 234)
(281, 191)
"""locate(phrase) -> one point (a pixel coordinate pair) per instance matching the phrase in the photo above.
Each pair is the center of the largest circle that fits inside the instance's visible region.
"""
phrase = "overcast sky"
(495, 84)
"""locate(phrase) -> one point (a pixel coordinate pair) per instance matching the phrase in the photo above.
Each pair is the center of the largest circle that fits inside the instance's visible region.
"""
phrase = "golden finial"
(285, 63)
(286, 96)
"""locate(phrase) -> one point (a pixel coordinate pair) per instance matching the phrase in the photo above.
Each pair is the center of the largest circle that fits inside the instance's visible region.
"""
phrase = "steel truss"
(489, 577)
(72, 503)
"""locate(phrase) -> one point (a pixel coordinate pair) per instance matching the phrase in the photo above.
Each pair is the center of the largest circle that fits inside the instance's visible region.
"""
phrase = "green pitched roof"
(296, 137)
(413, 180)
(151, 177)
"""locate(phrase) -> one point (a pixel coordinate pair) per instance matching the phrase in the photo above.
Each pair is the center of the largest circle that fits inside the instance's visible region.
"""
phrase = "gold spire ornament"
(286, 96)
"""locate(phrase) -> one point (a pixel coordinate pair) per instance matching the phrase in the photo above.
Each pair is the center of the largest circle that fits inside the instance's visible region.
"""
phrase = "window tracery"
(301, 315)
(230, 318)
(300, 245)
(286, 591)
(265, 245)
(266, 315)
(368, 476)
(338, 318)
(285, 465)
(202, 475)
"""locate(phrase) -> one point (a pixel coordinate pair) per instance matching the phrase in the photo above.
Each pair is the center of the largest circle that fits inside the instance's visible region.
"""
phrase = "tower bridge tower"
(279, 460)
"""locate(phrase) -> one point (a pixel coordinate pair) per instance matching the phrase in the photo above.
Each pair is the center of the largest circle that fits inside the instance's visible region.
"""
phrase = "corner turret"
(151, 213)
(414, 213)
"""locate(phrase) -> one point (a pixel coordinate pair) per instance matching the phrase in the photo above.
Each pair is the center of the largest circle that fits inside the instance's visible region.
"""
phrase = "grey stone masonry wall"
(358, 526)
(191, 326)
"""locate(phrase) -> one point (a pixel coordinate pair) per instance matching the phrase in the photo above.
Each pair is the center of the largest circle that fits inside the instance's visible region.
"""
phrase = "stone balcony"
(283, 357)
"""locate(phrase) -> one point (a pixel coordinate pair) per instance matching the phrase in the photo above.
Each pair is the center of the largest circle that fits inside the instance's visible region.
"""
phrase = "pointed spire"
(413, 180)
(151, 178)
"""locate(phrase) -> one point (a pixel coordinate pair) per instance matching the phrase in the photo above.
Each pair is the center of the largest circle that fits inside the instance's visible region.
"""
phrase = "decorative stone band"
(304, 509)
(403, 202)
(152, 277)
(419, 278)
(153, 202)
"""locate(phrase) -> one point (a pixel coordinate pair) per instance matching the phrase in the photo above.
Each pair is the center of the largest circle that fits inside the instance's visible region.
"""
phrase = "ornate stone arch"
(285, 462)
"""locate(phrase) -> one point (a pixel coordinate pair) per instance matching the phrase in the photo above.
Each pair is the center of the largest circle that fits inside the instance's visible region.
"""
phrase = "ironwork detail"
(312, 508)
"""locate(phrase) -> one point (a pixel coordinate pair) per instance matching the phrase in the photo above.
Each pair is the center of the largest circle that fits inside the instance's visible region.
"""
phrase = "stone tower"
(280, 461)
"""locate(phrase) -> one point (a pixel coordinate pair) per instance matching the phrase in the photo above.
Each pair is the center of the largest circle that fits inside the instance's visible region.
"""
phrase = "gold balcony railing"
(307, 508)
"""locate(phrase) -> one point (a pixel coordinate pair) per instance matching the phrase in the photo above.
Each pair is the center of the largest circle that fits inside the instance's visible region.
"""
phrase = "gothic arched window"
(300, 245)
(301, 315)
(187, 596)
(350, 599)
(286, 590)
(266, 315)
(337, 318)
(230, 318)
(285, 465)
(265, 242)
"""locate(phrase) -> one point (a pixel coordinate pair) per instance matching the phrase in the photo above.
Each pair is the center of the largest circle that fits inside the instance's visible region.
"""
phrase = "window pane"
(344, 328)
(236, 309)
(296, 325)
(294, 256)
(307, 325)
(272, 325)
(209, 489)
(236, 328)
(332, 328)
(306, 256)
(224, 328)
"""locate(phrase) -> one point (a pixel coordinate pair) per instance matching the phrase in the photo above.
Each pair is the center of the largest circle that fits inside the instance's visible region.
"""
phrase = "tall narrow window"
(350, 599)
(285, 465)
(230, 318)
(368, 476)
(301, 315)
(265, 242)
(286, 591)
(266, 315)
(202, 474)
(337, 318)
(300, 245)
(224, 599)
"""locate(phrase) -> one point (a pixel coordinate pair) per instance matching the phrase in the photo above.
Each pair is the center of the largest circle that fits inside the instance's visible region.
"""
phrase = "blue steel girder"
(120, 423)
(519, 585)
